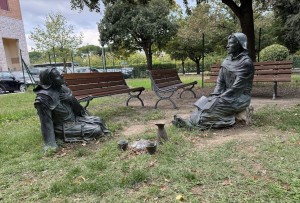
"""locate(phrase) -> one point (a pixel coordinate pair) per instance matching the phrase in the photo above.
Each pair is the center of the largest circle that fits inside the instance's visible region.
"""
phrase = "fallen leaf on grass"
(166, 180)
(80, 179)
(286, 186)
(152, 163)
(226, 182)
(180, 198)
(164, 187)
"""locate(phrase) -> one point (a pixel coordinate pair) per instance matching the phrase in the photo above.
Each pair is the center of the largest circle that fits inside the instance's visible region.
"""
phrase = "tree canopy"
(288, 13)
(57, 34)
(138, 27)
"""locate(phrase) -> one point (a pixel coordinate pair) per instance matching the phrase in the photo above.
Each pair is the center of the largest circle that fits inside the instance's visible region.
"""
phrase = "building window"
(4, 5)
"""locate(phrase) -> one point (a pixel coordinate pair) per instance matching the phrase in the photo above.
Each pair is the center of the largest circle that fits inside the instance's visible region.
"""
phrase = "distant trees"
(288, 14)
(87, 49)
(138, 26)
(127, 29)
(204, 20)
(243, 10)
(57, 34)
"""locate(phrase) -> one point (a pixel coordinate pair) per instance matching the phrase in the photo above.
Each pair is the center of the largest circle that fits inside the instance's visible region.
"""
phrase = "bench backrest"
(164, 78)
(267, 71)
(89, 83)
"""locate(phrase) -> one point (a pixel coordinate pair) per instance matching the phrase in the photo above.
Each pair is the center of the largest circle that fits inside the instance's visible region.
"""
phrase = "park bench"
(166, 82)
(87, 86)
(267, 71)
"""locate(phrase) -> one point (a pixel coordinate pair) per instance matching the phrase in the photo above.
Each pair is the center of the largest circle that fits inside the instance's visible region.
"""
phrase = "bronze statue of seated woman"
(61, 115)
(232, 93)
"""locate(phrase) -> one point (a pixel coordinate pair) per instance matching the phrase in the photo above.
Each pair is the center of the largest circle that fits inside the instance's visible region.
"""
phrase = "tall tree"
(244, 11)
(177, 51)
(57, 34)
(204, 20)
(95, 50)
(138, 26)
(288, 13)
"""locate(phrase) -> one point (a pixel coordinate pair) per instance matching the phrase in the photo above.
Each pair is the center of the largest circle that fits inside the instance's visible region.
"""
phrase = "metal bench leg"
(174, 105)
(165, 98)
(190, 89)
(135, 96)
(275, 90)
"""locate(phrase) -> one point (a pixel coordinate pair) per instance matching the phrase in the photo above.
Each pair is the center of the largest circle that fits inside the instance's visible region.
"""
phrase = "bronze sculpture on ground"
(232, 93)
(61, 116)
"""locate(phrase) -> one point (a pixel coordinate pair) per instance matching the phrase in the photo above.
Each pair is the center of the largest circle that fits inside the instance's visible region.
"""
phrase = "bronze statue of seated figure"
(232, 93)
(61, 116)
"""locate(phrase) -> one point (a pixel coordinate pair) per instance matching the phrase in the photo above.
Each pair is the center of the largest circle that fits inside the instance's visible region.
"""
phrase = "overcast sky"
(34, 13)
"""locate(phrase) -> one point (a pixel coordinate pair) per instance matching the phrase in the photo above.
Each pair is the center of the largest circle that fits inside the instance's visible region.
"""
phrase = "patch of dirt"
(262, 96)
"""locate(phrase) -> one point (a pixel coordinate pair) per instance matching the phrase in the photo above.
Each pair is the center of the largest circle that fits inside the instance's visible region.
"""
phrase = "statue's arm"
(47, 127)
(220, 86)
(241, 81)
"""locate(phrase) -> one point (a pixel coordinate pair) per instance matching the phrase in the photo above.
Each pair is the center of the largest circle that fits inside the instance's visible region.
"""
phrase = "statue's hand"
(65, 96)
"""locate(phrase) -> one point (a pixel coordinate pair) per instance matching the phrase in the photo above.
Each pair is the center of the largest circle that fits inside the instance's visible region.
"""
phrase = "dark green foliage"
(275, 52)
(134, 26)
(288, 13)
(96, 50)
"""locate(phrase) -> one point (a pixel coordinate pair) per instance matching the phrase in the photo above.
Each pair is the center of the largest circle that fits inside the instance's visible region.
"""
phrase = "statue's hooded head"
(242, 39)
(46, 80)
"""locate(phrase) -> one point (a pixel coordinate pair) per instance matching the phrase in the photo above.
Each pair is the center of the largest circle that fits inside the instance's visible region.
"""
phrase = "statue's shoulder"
(246, 61)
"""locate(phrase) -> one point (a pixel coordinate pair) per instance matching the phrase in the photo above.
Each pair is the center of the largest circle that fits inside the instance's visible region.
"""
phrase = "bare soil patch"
(262, 96)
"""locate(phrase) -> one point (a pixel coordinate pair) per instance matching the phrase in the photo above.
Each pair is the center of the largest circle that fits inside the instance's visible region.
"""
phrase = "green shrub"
(297, 53)
(275, 52)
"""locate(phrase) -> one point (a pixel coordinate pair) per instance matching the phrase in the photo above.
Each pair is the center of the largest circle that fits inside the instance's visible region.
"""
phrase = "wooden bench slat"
(269, 71)
(85, 86)
(96, 85)
(273, 72)
(272, 62)
(167, 82)
(99, 90)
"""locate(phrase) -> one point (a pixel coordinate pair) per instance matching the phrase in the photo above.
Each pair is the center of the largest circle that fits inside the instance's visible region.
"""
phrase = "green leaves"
(56, 33)
(275, 52)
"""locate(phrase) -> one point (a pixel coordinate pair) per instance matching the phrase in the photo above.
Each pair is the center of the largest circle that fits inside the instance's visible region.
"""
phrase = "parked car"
(35, 71)
(9, 83)
(82, 70)
(19, 76)
(127, 72)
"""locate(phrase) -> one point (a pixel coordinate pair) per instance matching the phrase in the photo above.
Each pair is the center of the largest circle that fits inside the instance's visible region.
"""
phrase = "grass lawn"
(146, 82)
(264, 170)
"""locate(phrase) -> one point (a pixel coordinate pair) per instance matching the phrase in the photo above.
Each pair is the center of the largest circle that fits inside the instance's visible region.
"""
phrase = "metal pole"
(202, 60)
(103, 58)
(113, 59)
(49, 57)
(22, 67)
(89, 59)
(72, 61)
(54, 57)
(259, 36)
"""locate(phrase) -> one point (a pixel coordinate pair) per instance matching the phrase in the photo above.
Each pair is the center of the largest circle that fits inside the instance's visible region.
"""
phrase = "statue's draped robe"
(64, 118)
(231, 95)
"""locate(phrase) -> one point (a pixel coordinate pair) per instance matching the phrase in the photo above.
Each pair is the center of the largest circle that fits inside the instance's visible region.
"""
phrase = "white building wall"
(12, 29)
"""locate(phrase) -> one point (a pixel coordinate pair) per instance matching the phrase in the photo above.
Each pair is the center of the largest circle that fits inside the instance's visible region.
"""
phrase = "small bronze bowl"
(123, 145)
(151, 147)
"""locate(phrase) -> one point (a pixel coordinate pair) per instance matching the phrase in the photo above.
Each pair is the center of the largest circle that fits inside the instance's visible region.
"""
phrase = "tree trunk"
(198, 66)
(245, 15)
(247, 25)
(65, 65)
(148, 52)
(182, 64)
